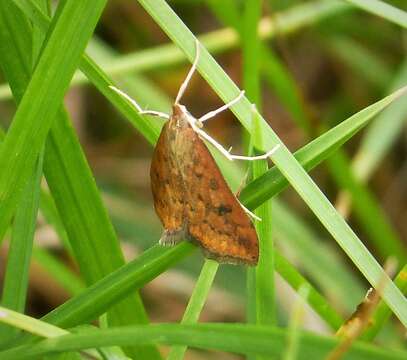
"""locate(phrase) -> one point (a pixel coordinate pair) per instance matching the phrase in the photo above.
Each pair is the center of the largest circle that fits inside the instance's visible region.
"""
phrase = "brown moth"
(191, 197)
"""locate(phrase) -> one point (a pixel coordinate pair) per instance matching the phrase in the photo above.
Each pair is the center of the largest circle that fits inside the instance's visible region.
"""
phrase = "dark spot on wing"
(223, 209)
(213, 184)
(243, 241)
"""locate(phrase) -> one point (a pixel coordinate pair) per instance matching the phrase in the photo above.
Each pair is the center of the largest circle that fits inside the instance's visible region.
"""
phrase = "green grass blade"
(99, 297)
(251, 47)
(36, 327)
(223, 165)
(383, 131)
(196, 303)
(69, 281)
(19, 255)
(382, 312)
(222, 40)
(362, 62)
(26, 136)
(50, 212)
(95, 300)
(242, 339)
(30, 324)
(70, 180)
(265, 298)
(314, 299)
(313, 153)
(317, 258)
(384, 10)
(368, 211)
(251, 51)
(296, 318)
(283, 159)
(274, 72)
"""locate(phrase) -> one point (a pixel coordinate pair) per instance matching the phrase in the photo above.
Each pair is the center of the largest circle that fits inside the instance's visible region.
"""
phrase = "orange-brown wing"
(167, 188)
(215, 218)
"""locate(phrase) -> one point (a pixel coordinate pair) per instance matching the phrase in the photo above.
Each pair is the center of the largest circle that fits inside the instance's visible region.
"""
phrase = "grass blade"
(26, 136)
(69, 281)
(265, 298)
(283, 159)
(367, 210)
(383, 131)
(314, 299)
(196, 303)
(313, 153)
(217, 41)
(70, 180)
(251, 51)
(384, 10)
(19, 255)
(382, 312)
(242, 339)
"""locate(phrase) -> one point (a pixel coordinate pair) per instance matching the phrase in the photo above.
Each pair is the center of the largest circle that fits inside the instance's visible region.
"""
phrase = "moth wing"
(167, 188)
(216, 219)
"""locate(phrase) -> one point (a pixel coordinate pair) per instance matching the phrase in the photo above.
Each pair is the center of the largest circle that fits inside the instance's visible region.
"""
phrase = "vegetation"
(327, 77)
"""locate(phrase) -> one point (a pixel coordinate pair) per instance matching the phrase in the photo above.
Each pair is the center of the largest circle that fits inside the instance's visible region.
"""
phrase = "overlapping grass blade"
(313, 153)
(26, 135)
(242, 339)
(14, 292)
(36, 327)
(264, 296)
(96, 246)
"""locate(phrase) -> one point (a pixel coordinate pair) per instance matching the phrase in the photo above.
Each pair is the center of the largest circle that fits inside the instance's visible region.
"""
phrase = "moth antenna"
(137, 106)
(155, 113)
(213, 113)
(184, 85)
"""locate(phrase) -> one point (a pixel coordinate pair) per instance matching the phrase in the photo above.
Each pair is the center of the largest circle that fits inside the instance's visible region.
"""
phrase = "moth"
(191, 197)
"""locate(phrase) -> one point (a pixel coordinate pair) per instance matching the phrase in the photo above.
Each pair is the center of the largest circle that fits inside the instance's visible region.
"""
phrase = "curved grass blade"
(241, 339)
(384, 10)
(313, 153)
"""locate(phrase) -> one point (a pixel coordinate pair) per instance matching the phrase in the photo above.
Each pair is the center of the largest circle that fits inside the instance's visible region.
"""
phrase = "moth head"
(183, 116)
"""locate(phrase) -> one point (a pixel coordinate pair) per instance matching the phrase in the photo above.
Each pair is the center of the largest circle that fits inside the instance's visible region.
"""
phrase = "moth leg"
(226, 153)
(137, 106)
(213, 113)
(184, 85)
(172, 237)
